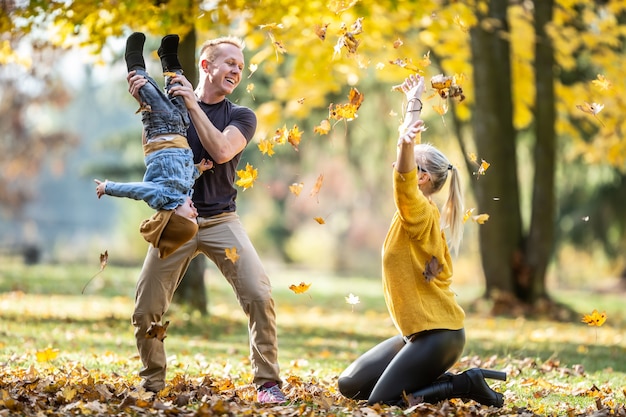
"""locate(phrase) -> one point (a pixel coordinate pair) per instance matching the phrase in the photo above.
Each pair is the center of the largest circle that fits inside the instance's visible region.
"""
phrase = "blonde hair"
(435, 163)
(208, 49)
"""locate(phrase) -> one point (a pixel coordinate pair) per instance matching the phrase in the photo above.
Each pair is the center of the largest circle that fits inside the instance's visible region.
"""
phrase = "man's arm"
(222, 146)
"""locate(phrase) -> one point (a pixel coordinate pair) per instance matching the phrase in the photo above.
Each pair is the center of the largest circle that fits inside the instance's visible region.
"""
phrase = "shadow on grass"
(594, 358)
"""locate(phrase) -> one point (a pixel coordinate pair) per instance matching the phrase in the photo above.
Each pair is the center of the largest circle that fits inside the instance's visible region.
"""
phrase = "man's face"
(225, 71)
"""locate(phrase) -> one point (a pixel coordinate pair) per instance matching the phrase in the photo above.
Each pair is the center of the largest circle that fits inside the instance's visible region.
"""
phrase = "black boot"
(168, 52)
(468, 385)
(134, 51)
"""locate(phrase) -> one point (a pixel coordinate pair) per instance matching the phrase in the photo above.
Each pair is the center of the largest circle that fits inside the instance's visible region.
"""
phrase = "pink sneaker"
(271, 395)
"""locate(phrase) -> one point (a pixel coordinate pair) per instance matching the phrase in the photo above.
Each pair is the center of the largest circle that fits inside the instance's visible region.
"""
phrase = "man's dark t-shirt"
(215, 192)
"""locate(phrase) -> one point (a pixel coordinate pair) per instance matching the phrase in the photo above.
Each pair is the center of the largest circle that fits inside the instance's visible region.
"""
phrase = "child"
(170, 172)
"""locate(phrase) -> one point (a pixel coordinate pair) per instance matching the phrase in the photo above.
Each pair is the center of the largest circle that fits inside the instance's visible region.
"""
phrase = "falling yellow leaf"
(318, 185)
(47, 354)
(271, 26)
(340, 6)
(484, 165)
(266, 147)
(425, 61)
(347, 111)
(247, 177)
(320, 31)
(320, 220)
(352, 299)
(252, 68)
(480, 218)
(296, 188)
(460, 23)
(602, 83)
(468, 214)
(281, 135)
(300, 288)
(595, 318)
(407, 63)
(447, 86)
(323, 128)
(472, 157)
(592, 109)
(441, 109)
(294, 136)
(104, 259)
(348, 38)
(250, 89)
(231, 254)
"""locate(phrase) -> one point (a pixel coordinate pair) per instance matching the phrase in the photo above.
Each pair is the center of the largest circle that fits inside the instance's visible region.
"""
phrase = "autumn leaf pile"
(60, 388)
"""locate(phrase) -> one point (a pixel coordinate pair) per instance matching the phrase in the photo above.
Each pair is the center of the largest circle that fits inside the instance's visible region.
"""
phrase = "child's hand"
(101, 187)
(205, 165)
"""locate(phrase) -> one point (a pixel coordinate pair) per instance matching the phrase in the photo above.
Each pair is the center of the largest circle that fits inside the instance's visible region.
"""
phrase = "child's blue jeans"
(165, 115)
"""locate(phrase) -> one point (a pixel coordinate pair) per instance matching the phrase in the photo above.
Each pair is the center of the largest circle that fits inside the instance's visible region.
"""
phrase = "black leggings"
(392, 367)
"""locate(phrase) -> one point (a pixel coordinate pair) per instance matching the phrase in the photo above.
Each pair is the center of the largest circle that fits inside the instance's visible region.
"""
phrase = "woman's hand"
(413, 131)
(405, 160)
(413, 88)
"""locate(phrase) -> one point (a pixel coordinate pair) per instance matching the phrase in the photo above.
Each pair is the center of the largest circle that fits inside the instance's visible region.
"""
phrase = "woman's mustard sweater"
(414, 237)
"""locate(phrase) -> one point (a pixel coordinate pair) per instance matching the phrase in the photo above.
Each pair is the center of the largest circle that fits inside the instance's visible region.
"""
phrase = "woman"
(417, 272)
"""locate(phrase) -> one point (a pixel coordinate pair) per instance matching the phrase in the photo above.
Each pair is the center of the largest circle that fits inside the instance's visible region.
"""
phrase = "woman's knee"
(349, 388)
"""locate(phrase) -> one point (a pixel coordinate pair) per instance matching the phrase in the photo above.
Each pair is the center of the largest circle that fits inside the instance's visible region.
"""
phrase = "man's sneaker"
(270, 394)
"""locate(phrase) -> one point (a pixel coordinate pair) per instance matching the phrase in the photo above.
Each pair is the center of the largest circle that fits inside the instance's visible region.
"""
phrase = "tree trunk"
(530, 286)
(187, 56)
(192, 291)
(497, 192)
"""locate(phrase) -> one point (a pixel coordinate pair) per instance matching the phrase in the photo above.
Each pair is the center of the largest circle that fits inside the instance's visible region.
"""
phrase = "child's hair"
(431, 160)
(207, 50)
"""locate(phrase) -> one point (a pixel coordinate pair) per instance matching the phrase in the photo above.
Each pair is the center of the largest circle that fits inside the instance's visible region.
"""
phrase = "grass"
(552, 365)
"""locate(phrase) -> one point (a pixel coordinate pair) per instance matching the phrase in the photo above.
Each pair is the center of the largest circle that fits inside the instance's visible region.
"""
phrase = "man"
(219, 132)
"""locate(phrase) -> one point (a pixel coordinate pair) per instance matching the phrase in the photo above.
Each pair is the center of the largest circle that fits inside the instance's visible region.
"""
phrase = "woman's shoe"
(478, 389)
(469, 384)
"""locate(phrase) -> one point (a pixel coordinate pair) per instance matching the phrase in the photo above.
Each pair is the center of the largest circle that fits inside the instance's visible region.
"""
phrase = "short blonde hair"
(208, 48)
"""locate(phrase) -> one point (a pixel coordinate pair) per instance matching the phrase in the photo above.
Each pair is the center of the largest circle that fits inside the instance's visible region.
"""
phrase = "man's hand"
(100, 187)
(183, 89)
(135, 82)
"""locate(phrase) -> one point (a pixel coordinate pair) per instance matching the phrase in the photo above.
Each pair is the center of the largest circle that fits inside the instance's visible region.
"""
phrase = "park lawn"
(79, 348)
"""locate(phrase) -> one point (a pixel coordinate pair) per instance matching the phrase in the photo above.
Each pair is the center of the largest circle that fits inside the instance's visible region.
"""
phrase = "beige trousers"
(159, 279)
